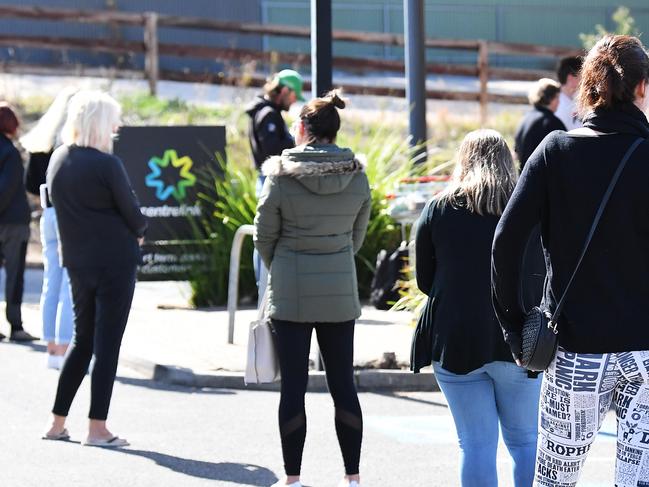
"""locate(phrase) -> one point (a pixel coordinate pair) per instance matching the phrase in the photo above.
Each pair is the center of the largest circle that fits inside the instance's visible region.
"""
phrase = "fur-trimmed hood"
(322, 169)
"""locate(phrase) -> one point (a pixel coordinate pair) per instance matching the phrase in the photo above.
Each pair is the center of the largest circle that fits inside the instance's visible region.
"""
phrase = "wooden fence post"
(151, 65)
(483, 73)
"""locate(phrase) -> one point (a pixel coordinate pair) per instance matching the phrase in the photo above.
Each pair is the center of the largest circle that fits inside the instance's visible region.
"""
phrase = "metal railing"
(233, 279)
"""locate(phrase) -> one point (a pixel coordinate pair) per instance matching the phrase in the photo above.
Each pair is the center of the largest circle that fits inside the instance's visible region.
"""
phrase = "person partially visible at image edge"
(602, 358)
(14, 223)
(311, 219)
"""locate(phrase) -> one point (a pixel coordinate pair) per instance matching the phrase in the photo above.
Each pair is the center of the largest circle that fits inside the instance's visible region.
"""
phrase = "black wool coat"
(561, 189)
(536, 124)
(458, 326)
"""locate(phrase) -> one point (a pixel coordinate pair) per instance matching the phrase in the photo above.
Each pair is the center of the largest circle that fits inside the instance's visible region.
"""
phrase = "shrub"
(624, 24)
(229, 202)
(389, 159)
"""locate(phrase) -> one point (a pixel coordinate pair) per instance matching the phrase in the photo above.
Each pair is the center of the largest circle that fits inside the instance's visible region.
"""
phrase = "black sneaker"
(2, 337)
(22, 336)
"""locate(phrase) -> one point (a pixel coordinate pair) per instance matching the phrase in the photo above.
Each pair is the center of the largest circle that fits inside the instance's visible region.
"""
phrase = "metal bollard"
(233, 280)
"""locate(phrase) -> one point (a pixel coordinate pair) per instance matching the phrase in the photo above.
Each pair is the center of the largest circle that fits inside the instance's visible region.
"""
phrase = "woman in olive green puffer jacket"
(311, 219)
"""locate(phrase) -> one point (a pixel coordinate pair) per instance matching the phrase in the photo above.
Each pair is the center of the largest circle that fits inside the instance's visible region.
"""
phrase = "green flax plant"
(389, 158)
(229, 202)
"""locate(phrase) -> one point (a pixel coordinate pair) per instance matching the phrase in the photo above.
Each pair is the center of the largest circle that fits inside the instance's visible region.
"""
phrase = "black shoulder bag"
(539, 336)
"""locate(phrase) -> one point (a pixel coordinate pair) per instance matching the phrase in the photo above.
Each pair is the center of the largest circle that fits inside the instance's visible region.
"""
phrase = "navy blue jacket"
(14, 208)
(536, 124)
(267, 133)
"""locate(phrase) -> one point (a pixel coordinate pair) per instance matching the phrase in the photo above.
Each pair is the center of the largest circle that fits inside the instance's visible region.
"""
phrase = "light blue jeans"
(261, 272)
(497, 392)
(56, 301)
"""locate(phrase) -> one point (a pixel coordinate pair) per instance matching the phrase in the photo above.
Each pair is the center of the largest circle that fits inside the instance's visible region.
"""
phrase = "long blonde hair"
(484, 175)
(45, 135)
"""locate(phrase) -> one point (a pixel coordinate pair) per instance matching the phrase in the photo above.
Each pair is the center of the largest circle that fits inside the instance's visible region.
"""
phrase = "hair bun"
(334, 97)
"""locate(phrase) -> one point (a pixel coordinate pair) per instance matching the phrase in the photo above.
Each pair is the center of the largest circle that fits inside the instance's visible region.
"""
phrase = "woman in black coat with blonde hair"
(458, 331)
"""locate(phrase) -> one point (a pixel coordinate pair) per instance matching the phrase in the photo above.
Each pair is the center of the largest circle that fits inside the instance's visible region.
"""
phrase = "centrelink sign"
(166, 166)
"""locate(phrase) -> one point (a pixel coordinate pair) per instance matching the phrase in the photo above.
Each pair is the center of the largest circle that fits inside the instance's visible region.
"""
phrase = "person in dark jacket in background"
(458, 330)
(539, 121)
(14, 223)
(603, 332)
(100, 225)
(269, 136)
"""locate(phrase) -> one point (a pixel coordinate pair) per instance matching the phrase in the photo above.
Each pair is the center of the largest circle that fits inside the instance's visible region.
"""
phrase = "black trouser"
(336, 342)
(13, 248)
(102, 300)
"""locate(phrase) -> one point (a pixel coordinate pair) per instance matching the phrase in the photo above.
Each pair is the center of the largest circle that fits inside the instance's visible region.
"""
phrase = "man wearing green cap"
(269, 135)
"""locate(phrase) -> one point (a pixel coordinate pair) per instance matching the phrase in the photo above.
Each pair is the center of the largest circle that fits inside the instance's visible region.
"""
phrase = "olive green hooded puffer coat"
(311, 219)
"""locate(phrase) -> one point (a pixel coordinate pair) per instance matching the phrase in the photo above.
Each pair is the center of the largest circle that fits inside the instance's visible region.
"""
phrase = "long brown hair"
(611, 71)
(484, 175)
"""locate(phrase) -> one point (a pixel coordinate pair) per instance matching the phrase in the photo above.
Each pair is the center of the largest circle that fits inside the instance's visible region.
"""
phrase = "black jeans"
(13, 249)
(102, 301)
(336, 342)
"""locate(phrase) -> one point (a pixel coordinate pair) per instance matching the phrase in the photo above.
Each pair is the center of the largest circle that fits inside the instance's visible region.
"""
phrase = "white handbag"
(262, 366)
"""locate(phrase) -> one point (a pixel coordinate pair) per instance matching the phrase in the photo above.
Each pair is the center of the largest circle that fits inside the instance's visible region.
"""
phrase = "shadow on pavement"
(238, 473)
(35, 346)
(373, 322)
(411, 399)
(159, 386)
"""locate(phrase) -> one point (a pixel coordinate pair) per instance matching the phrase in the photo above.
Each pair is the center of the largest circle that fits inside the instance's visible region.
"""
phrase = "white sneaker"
(281, 483)
(54, 361)
(348, 483)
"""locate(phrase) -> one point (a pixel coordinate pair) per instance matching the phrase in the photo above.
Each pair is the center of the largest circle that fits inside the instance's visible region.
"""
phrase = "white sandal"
(114, 442)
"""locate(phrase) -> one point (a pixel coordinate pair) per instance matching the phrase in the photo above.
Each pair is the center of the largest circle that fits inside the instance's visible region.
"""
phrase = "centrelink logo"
(163, 190)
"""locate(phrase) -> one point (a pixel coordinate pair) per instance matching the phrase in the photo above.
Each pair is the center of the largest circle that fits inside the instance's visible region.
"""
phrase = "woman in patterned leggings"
(602, 359)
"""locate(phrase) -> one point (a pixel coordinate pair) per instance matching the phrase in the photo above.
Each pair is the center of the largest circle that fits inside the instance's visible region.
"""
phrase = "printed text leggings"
(576, 394)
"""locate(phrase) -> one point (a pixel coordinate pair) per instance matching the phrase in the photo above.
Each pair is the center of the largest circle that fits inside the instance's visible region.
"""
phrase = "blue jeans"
(261, 272)
(56, 302)
(496, 392)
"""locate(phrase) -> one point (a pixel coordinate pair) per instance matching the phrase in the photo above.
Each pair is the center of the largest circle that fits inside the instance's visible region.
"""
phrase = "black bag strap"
(557, 312)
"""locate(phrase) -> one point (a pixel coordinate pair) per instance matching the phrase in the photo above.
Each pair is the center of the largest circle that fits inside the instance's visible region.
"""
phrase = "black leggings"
(102, 300)
(336, 342)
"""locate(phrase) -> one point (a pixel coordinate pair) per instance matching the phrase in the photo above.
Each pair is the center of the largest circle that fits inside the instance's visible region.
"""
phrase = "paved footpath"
(187, 343)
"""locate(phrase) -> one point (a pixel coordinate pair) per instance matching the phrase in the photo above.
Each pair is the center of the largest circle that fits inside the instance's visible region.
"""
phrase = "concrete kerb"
(366, 380)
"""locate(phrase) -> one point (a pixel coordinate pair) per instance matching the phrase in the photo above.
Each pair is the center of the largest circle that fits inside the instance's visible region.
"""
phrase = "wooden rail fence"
(152, 49)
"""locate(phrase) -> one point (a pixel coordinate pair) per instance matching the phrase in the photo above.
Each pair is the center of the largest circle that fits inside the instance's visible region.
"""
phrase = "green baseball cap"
(291, 79)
